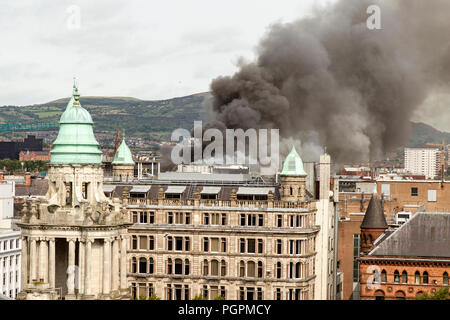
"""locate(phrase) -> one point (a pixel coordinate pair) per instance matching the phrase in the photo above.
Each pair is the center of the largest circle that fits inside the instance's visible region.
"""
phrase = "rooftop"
(426, 234)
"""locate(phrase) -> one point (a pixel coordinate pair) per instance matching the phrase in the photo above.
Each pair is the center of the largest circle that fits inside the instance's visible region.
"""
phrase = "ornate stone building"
(123, 164)
(228, 235)
(74, 238)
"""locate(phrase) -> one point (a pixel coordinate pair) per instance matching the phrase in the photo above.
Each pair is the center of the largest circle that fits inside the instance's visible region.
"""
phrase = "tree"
(199, 297)
(154, 297)
(442, 294)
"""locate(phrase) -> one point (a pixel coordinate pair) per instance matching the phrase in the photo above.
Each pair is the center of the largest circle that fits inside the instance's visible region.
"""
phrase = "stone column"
(115, 265)
(81, 266)
(71, 267)
(123, 264)
(24, 264)
(43, 260)
(33, 262)
(87, 268)
(106, 266)
(51, 263)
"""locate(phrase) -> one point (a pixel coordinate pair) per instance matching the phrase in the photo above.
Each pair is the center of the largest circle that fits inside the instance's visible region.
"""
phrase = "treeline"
(12, 166)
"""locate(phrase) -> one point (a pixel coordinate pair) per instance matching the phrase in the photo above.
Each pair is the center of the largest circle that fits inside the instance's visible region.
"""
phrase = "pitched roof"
(374, 217)
(426, 234)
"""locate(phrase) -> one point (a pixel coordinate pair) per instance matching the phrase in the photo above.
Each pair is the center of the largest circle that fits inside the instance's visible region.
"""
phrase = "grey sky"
(146, 49)
(141, 48)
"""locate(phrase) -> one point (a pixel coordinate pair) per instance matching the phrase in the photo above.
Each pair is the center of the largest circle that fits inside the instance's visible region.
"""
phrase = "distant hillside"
(140, 118)
(155, 119)
(423, 133)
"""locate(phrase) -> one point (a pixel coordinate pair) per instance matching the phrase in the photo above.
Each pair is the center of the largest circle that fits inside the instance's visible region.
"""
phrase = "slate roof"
(374, 217)
(426, 234)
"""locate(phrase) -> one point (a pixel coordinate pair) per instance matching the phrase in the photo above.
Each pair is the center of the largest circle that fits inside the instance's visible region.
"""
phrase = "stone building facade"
(239, 240)
(74, 238)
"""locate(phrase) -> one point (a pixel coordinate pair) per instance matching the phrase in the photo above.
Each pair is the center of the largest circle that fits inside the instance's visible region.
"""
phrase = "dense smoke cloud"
(329, 81)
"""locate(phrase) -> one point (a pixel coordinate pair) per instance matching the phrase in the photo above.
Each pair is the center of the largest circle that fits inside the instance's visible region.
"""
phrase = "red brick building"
(408, 261)
(34, 155)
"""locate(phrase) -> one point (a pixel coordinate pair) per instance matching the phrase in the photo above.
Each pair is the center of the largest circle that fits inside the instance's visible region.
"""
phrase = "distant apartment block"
(424, 161)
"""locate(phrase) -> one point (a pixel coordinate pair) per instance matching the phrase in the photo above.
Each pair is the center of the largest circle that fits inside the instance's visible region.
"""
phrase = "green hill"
(155, 120)
(140, 118)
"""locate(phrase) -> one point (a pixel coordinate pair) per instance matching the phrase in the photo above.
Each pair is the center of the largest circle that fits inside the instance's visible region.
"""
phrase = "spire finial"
(76, 95)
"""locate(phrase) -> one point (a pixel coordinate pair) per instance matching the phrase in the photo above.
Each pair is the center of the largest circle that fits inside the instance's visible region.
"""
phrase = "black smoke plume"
(329, 81)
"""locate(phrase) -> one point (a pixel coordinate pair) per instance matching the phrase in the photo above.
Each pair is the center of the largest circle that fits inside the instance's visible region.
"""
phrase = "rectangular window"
(214, 244)
(279, 221)
(260, 220)
(224, 245)
(414, 192)
(169, 217)
(224, 219)
(260, 245)
(432, 195)
(386, 189)
(187, 216)
(151, 243)
(178, 217)
(169, 243)
(187, 244)
(151, 216)
(206, 218)
(135, 217)
(205, 245)
(356, 252)
(143, 243)
(143, 216)
(242, 219)
(279, 247)
(251, 246)
(242, 245)
(178, 243)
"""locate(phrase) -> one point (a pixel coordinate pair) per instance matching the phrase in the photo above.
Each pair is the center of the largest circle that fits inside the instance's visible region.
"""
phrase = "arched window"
(186, 267)
(250, 269)
(260, 269)
(417, 277)
(404, 277)
(425, 277)
(396, 276)
(241, 269)
(445, 279)
(142, 265)
(278, 270)
(376, 276)
(178, 266)
(169, 266)
(223, 268)
(214, 267)
(151, 266)
(134, 265)
(379, 295)
(205, 267)
(400, 295)
(383, 276)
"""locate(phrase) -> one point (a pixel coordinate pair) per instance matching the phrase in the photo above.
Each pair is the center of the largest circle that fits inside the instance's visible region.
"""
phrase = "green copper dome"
(76, 143)
(293, 165)
(123, 155)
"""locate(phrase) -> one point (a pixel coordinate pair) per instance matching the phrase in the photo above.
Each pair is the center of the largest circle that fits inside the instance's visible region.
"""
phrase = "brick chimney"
(27, 179)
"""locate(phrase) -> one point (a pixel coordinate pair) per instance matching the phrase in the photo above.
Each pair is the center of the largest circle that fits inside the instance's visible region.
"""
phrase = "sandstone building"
(74, 238)
(228, 235)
